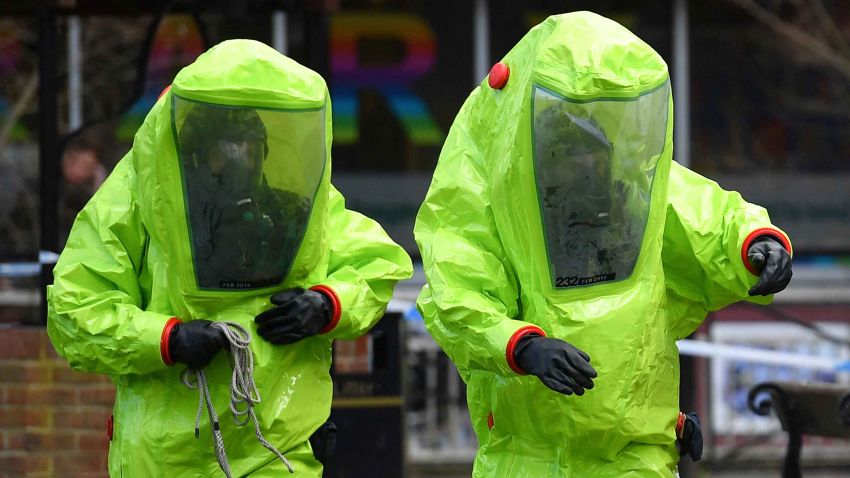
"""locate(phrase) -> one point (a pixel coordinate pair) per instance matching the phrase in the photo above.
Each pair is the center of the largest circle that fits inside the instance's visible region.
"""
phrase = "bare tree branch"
(832, 30)
(808, 42)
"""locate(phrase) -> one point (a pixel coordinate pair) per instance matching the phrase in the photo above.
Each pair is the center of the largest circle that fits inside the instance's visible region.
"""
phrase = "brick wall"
(52, 419)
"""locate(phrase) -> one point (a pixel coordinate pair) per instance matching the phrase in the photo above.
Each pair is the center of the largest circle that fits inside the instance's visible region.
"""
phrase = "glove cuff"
(680, 425)
(771, 232)
(165, 341)
(514, 340)
(336, 308)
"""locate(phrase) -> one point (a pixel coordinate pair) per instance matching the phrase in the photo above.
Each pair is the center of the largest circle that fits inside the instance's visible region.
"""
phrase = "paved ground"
(465, 472)
(831, 473)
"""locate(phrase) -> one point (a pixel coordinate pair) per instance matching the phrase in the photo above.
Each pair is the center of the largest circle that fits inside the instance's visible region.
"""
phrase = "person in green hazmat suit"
(224, 200)
(564, 251)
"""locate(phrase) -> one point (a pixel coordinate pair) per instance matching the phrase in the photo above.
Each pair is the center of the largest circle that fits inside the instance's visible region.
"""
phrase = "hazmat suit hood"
(549, 213)
(232, 165)
(592, 128)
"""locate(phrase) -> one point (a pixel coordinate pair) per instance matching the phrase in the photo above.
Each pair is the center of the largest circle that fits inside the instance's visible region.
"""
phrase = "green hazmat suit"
(556, 209)
(144, 250)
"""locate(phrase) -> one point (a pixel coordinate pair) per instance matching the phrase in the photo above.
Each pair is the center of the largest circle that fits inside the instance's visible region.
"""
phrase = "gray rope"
(243, 390)
(204, 398)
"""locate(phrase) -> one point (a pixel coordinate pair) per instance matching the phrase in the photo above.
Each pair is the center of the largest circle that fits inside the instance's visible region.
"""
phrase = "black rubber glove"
(557, 364)
(690, 442)
(195, 343)
(773, 262)
(323, 442)
(298, 314)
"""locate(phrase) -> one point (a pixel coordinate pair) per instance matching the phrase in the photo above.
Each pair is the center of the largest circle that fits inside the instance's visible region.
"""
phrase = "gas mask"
(238, 165)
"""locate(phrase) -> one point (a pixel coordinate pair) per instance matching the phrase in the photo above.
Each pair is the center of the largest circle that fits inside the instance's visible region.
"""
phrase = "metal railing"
(438, 427)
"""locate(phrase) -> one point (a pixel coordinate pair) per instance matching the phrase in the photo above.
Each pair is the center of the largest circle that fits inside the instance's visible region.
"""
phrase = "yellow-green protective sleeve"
(364, 266)
(705, 231)
(472, 295)
(95, 318)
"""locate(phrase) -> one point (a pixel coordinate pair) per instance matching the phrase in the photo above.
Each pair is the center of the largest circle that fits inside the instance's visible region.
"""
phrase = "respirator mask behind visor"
(582, 191)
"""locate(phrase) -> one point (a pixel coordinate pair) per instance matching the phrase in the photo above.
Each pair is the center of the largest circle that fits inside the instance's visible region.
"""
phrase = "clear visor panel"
(250, 178)
(594, 164)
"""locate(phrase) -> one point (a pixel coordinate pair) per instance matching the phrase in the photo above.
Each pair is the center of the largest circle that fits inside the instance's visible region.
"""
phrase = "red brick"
(91, 419)
(76, 463)
(93, 442)
(50, 441)
(38, 417)
(101, 395)
(24, 464)
(13, 464)
(16, 371)
(51, 396)
(17, 416)
(50, 353)
(12, 417)
(14, 394)
(13, 440)
(22, 342)
(65, 374)
(11, 371)
(38, 463)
